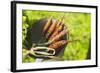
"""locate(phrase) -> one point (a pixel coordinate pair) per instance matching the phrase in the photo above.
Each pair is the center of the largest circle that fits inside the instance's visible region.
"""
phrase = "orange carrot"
(57, 37)
(60, 22)
(56, 31)
(51, 29)
(58, 44)
(47, 25)
(57, 28)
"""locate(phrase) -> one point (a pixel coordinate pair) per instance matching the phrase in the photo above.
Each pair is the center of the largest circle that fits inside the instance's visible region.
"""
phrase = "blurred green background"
(78, 23)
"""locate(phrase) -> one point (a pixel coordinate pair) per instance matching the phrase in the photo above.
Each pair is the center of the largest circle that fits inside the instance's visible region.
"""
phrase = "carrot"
(57, 28)
(60, 22)
(47, 25)
(58, 44)
(51, 29)
(57, 37)
(56, 31)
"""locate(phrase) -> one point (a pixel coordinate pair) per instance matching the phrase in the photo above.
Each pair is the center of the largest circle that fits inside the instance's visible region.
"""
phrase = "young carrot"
(58, 44)
(51, 29)
(57, 37)
(56, 31)
(47, 25)
(57, 28)
(60, 21)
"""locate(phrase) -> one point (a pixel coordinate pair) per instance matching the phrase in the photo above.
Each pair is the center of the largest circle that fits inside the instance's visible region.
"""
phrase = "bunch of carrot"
(54, 31)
